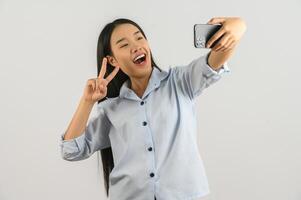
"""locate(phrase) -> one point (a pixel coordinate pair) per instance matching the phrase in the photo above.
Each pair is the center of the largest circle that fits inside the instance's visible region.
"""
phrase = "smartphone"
(203, 32)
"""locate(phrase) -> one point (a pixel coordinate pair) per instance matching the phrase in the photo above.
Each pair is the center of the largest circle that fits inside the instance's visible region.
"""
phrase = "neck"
(138, 85)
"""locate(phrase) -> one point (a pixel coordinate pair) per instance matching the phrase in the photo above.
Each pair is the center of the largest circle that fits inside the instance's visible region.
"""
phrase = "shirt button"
(141, 103)
(144, 123)
(150, 148)
(152, 174)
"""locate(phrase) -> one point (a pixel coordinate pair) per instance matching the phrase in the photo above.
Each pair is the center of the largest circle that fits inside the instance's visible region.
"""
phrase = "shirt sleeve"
(94, 137)
(193, 78)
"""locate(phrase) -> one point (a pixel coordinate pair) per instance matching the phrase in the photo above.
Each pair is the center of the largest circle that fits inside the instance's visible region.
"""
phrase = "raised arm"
(82, 139)
(193, 78)
(207, 69)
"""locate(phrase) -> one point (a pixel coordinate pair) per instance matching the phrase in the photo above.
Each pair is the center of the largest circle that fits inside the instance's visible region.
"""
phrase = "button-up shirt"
(153, 138)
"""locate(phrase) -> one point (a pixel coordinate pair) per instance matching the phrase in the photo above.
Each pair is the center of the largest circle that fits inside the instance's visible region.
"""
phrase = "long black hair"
(113, 88)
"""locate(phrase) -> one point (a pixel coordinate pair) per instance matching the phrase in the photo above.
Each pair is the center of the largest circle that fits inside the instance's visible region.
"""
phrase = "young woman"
(145, 125)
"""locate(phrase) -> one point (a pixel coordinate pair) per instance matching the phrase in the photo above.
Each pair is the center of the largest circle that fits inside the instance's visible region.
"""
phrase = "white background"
(249, 139)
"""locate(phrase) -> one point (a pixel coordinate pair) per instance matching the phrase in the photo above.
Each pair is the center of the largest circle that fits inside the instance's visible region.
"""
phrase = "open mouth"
(140, 59)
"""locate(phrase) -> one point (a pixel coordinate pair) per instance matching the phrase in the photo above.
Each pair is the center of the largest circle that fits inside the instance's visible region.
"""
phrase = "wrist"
(87, 102)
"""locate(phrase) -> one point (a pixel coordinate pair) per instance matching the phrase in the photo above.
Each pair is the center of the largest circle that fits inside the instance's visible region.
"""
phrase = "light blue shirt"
(153, 138)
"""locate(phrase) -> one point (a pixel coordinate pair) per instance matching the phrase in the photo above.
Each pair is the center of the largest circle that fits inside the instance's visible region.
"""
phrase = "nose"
(136, 48)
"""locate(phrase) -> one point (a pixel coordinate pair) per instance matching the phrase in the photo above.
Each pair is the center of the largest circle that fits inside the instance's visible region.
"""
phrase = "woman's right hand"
(96, 88)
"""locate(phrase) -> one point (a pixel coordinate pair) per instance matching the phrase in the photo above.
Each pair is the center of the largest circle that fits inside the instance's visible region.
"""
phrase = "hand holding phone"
(203, 32)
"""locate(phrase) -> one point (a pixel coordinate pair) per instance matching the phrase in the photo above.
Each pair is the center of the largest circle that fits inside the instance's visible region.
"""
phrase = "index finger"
(103, 68)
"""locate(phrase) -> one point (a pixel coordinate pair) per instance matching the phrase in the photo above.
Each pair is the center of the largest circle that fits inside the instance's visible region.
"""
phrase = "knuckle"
(104, 81)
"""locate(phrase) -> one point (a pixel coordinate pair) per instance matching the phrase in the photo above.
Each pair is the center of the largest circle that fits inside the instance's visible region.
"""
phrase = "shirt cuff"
(70, 146)
(209, 71)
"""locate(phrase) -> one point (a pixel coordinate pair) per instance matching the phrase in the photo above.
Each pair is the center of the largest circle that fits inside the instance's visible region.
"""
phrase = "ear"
(112, 61)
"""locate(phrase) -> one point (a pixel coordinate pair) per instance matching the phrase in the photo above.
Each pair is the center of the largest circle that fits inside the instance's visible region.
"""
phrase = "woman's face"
(127, 42)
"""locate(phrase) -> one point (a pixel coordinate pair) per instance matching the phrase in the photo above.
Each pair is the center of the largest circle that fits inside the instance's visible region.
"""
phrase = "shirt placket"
(149, 147)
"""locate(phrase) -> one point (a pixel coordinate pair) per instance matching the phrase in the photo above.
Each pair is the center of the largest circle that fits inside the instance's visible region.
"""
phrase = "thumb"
(216, 20)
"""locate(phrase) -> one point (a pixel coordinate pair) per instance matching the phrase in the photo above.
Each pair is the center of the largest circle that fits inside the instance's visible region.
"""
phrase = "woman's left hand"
(231, 32)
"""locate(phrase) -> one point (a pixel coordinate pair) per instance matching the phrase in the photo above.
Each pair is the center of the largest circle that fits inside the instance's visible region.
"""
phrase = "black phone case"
(203, 32)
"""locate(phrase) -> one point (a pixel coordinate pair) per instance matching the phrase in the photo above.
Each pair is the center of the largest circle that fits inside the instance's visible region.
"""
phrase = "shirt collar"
(154, 82)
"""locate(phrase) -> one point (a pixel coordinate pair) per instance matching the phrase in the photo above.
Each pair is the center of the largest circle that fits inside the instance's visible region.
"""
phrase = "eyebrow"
(124, 38)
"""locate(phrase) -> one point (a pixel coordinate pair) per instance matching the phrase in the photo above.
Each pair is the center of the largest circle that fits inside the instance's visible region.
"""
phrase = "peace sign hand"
(96, 88)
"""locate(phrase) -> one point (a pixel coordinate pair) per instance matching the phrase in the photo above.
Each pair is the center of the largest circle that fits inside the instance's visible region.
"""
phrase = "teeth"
(140, 56)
